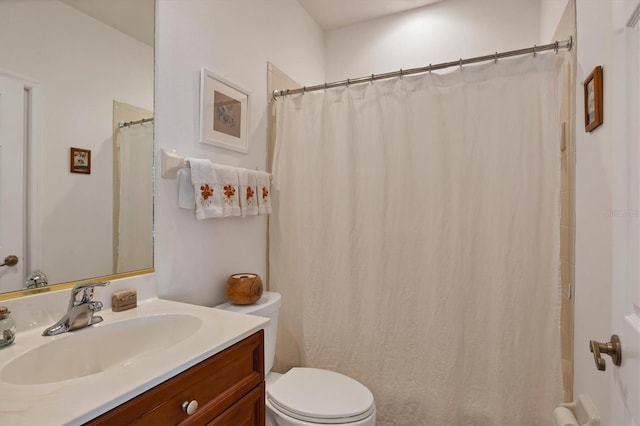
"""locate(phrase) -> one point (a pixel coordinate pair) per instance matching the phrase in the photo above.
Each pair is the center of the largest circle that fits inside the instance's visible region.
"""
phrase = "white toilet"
(306, 396)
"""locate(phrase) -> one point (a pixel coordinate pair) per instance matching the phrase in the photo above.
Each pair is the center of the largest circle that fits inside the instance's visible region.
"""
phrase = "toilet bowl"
(306, 396)
(311, 396)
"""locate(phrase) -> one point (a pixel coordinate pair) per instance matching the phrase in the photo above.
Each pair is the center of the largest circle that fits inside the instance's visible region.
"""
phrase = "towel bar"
(170, 163)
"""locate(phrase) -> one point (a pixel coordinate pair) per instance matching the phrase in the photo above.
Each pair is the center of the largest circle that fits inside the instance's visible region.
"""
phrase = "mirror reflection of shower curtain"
(135, 241)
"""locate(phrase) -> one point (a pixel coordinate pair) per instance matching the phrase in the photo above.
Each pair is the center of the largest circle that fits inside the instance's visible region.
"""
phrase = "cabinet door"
(216, 384)
(249, 411)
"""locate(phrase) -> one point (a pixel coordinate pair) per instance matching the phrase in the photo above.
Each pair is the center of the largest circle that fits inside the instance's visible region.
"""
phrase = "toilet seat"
(320, 396)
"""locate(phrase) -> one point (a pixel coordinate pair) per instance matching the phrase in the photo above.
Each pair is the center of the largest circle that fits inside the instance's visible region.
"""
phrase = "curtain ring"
(460, 64)
(495, 58)
(325, 85)
(557, 47)
(304, 89)
(372, 78)
(401, 72)
(348, 82)
(534, 50)
(430, 68)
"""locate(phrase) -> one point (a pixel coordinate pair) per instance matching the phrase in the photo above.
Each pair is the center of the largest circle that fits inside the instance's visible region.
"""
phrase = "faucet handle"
(87, 291)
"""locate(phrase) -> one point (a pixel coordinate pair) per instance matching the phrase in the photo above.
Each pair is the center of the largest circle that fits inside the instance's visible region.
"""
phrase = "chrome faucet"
(36, 279)
(81, 310)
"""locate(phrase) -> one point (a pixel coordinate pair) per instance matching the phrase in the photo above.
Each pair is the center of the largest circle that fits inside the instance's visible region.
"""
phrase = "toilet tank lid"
(267, 304)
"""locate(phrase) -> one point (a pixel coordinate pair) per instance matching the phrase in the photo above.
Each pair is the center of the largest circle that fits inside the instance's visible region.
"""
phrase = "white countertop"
(81, 399)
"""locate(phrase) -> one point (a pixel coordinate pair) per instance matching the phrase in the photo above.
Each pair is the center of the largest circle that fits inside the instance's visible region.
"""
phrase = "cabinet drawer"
(249, 411)
(216, 384)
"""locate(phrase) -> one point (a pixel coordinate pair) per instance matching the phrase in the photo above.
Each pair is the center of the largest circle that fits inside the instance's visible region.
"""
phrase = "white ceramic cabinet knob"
(190, 407)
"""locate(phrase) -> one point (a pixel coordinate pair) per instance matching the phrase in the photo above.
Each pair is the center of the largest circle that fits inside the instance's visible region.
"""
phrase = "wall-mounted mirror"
(75, 186)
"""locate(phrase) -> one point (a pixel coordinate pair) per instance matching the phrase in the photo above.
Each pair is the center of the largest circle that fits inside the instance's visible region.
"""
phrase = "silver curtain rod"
(132, 123)
(566, 44)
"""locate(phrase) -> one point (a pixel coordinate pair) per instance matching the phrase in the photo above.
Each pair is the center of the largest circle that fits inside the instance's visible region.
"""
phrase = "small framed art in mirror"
(80, 161)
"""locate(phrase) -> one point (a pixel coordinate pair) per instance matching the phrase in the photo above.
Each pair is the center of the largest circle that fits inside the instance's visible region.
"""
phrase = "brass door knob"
(10, 260)
(611, 348)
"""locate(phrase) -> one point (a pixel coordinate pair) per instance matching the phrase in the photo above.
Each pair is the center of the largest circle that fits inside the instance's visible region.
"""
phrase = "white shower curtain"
(135, 241)
(415, 241)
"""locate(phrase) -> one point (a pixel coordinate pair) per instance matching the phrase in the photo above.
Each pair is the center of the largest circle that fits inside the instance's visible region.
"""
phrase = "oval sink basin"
(94, 349)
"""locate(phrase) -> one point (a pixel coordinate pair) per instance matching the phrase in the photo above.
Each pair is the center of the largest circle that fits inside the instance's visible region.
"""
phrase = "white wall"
(440, 32)
(234, 39)
(550, 13)
(601, 167)
(82, 65)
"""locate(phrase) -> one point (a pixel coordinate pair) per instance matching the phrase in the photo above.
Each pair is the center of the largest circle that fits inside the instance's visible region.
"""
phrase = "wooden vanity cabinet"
(228, 387)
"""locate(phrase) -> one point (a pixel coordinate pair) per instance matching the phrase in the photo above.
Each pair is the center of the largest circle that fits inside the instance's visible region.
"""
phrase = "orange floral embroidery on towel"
(250, 194)
(206, 192)
(265, 193)
(229, 192)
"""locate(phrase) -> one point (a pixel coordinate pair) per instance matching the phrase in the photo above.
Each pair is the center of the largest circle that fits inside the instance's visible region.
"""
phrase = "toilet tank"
(267, 306)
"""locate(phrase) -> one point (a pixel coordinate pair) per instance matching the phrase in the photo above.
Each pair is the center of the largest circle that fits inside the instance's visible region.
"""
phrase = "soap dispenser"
(7, 327)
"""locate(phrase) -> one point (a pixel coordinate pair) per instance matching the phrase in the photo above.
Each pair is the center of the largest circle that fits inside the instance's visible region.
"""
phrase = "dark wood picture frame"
(80, 160)
(593, 110)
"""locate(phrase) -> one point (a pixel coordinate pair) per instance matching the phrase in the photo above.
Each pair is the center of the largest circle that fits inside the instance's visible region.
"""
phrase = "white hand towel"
(227, 178)
(248, 192)
(186, 194)
(264, 192)
(208, 195)
(201, 170)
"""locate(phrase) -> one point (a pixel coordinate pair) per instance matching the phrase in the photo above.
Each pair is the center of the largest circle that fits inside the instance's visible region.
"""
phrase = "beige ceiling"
(331, 14)
(136, 17)
(133, 17)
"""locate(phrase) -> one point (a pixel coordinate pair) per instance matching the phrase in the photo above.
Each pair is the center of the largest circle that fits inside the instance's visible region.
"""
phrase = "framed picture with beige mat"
(224, 113)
